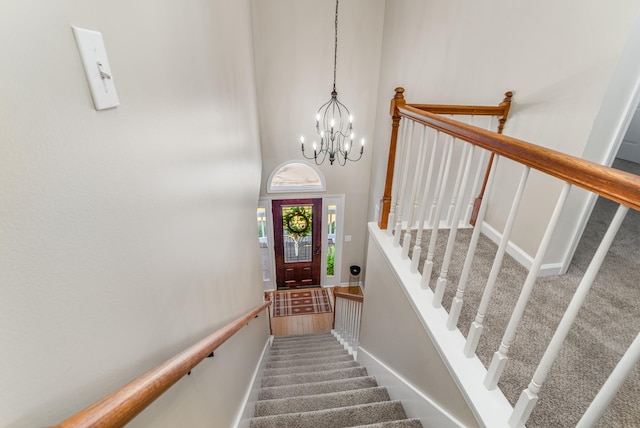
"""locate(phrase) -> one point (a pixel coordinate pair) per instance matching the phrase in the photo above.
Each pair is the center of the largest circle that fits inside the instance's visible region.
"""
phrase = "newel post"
(385, 203)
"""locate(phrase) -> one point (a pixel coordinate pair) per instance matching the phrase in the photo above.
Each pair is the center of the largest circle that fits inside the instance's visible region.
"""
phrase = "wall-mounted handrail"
(123, 404)
(619, 186)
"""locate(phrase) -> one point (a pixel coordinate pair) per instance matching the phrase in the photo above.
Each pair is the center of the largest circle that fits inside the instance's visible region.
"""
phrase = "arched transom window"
(295, 176)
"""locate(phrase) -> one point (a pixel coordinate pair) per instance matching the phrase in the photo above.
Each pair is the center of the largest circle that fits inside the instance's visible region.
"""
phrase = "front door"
(297, 231)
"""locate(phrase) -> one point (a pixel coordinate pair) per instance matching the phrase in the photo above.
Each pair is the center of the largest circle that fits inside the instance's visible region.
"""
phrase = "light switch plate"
(96, 68)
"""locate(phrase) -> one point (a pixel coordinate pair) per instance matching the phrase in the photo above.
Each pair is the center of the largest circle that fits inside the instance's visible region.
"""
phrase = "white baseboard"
(415, 403)
(251, 396)
(520, 255)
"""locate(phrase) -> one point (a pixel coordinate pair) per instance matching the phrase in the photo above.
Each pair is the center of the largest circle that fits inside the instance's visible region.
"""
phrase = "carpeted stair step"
(404, 423)
(298, 378)
(319, 354)
(315, 347)
(311, 368)
(308, 361)
(322, 401)
(311, 381)
(287, 341)
(326, 387)
(350, 416)
(295, 337)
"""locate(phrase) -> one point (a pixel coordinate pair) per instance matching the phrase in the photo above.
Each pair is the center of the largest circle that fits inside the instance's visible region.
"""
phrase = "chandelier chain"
(335, 48)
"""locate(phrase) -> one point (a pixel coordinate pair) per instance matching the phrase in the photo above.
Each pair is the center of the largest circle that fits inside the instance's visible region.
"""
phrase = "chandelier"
(334, 125)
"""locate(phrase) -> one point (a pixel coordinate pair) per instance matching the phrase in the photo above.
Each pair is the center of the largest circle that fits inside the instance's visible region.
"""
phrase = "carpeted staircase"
(310, 381)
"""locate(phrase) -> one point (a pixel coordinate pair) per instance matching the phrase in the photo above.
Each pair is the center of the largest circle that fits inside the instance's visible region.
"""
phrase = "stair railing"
(426, 146)
(122, 405)
(346, 320)
(388, 202)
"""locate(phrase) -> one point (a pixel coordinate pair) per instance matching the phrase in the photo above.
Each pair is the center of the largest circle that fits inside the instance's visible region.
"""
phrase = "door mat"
(315, 301)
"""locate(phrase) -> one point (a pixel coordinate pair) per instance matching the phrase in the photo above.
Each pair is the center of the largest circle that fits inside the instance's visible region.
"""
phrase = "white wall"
(127, 234)
(557, 57)
(294, 46)
(411, 354)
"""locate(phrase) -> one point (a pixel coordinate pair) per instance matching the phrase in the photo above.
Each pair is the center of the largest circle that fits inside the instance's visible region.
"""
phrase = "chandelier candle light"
(334, 124)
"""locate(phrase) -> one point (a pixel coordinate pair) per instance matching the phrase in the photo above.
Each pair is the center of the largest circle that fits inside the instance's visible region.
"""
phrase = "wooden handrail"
(619, 186)
(398, 102)
(123, 404)
(349, 296)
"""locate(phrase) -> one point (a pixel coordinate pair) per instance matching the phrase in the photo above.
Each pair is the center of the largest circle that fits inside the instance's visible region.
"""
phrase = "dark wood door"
(297, 233)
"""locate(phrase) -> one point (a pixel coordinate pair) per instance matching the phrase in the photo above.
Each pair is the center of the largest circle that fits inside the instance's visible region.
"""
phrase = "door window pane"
(297, 228)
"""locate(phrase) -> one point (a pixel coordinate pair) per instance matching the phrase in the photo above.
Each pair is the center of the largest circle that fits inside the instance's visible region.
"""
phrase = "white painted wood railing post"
(441, 284)
(529, 397)
(414, 201)
(396, 173)
(424, 204)
(462, 168)
(442, 179)
(500, 358)
(403, 185)
(458, 300)
(475, 331)
(611, 387)
(481, 167)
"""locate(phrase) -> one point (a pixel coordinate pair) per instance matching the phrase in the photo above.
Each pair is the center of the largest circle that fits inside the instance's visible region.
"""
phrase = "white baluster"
(441, 284)
(611, 387)
(444, 175)
(413, 202)
(403, 185)
(397, 172)
(500, 358)
(424, 203)
(458, 300)
(529, 397)
(456, 187)
(475, 189)
(475, 331)
(482, 167)
(436, 190)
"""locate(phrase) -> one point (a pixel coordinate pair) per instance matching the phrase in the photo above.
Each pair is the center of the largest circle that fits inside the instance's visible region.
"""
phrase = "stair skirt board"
(247, 410)
(315, 393)
(416, 404)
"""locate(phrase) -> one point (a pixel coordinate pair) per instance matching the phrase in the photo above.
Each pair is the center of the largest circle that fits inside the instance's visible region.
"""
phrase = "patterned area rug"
(310, 301)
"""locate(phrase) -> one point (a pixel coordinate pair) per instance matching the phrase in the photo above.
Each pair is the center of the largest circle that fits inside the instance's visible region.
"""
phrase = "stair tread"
(310, 368)
(404, 423)
(282, 340)
(300, 355)
(315, 347)
(361, 414)
(325, 387)
(308, 361)
(298, 378)
(321, 401)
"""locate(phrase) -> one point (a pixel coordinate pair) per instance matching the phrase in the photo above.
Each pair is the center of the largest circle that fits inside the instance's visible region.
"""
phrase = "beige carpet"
(606, 325)
(310, 381)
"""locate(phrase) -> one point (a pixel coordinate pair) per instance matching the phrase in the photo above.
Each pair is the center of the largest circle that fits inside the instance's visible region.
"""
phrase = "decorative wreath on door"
(297, 222)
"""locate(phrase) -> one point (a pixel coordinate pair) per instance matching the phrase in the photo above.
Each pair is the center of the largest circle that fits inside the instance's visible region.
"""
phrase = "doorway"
(297, 235)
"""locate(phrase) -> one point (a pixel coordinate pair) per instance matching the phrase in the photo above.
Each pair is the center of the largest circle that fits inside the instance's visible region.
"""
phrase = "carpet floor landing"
(310, 381)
